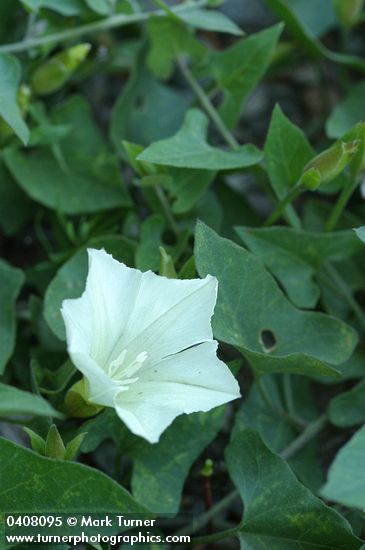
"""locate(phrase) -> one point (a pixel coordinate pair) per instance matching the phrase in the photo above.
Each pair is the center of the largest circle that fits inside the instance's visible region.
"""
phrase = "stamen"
(116, 363)
(122, 373)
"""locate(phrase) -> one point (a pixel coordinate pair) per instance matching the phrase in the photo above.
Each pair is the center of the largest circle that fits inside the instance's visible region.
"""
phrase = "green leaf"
(160, 470)
(294, 256)
(66, 7)
(210, 20)
(10, 73)
(297, 26)
(275, 428)
(11, 281)
(188, 148)
(85, 175)
(134, 113)
(106, 425)
(238, 69)
(15, 207)
(250, 306)
(347, 409)
(347, 113)
(346, 478)
(169, 39)
(102, 7)
(53, 381)
(32, 483)
(187, 186)
(286, 152)
(147, 252)
(280, 513)
(70, 279)
(14, 402)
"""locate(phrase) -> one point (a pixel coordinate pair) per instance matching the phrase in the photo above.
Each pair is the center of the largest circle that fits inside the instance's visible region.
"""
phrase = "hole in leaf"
(267, 340)
(140, 102)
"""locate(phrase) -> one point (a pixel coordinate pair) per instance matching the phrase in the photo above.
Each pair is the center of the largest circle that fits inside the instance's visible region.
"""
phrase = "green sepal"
(76, 401)
(54, 73)
(73, 446)
(37, 442)
(54, 444)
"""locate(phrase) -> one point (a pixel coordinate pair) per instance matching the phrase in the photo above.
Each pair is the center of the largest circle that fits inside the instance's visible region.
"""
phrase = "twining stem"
(346, 292)
(293, 420)
(309, 433)
(208, 105)
(166, 208)
(289, 197)
(288, 393)
(340, 205)
(114, 21)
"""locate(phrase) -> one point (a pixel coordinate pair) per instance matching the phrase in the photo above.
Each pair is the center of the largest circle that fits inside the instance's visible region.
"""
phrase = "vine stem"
(208, 105)
(293, 420)
(340, 205)
(346, 292)
(289, 197)
(309, 433)
(166, 208)
(117, 20)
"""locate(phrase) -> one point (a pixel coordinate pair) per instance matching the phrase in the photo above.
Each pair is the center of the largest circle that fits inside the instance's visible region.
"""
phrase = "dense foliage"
(190, 138)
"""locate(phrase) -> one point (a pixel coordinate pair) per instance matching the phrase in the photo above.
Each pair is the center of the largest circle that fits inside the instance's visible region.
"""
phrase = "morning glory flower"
(145, 346)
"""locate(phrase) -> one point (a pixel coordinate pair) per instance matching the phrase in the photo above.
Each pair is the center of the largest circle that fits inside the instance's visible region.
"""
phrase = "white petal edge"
(191, 381)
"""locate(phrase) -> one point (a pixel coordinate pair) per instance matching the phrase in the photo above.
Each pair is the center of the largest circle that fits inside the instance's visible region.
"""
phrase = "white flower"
(144, 345)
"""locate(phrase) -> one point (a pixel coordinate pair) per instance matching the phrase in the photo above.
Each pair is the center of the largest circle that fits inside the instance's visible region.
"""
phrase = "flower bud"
(311, 179)
(348, 11)
(331, 162)
(76, 402)
(357, 132)
(54, 73)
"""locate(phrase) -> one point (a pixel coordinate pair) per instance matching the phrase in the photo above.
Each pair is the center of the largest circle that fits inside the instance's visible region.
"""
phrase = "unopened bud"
(331, 162)
(55, 72)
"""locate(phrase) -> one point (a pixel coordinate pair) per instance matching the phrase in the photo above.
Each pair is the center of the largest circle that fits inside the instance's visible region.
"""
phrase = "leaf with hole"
(250, 302)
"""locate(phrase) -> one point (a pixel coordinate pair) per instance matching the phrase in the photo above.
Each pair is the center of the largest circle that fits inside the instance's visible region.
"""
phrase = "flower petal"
(169, 315)
(95, 321)
(123, 308)
(190, 381)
